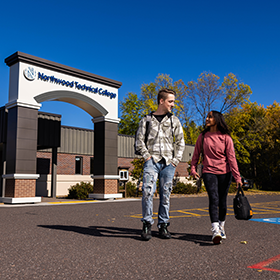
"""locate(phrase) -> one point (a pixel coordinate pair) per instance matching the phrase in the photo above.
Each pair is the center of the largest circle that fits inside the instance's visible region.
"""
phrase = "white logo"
(29, 73)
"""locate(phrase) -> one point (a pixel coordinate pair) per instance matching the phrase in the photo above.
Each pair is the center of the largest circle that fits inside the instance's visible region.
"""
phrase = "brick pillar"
(21, 155)
(105, 167)
(20, 188)
(105, 186)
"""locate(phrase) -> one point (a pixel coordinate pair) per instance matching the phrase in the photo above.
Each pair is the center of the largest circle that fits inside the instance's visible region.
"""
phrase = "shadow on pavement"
(202, 240)
(117, 232)
(99, 231)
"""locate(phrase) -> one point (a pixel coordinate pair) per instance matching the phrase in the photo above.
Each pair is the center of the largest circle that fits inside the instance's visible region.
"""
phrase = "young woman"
(219, 164)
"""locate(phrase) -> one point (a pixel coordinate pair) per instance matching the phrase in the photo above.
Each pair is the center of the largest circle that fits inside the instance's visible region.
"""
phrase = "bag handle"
(240, 190)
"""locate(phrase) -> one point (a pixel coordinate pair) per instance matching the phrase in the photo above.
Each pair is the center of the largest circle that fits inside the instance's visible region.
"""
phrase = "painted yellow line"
(188, 216)
(258, 208)
(204, 210)
(264, 213)
(192, 215)
(137, 217)
(188, 210)
(189, 213)
(275, 204)
(267, 208)
(67, 202)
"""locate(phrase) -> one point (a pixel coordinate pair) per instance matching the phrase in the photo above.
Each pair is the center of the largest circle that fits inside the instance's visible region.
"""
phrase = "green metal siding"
(81, 142)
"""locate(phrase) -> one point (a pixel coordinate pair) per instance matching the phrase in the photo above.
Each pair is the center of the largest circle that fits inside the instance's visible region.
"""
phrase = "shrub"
(182, 188)
(130, 189)
(80, 190)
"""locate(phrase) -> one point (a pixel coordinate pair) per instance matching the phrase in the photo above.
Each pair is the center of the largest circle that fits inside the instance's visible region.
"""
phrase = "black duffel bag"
(241, 206)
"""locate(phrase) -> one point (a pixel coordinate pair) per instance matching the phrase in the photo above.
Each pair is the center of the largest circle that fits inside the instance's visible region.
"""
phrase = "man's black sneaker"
(163, 231)
(146, 232)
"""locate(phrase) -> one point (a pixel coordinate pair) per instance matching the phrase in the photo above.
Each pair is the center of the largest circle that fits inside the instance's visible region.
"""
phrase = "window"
(79, 165)
(91, 165)
(124, 175)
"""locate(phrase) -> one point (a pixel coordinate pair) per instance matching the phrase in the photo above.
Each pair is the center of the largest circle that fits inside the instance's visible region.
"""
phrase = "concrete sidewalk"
(64, 201)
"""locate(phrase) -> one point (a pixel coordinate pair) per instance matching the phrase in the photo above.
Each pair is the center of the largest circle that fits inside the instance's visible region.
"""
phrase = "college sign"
(34, 80)
(76, 85)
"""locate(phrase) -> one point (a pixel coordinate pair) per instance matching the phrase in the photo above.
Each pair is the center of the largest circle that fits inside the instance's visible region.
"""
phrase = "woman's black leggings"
(217, 188)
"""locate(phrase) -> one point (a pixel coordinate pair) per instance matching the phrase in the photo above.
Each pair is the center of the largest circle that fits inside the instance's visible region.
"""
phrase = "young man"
(162, 152)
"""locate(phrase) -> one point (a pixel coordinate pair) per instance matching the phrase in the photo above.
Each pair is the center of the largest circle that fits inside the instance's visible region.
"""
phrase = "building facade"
(75, 160)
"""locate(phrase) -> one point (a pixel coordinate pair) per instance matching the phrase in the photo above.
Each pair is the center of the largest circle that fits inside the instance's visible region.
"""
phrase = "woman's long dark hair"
(221, 123)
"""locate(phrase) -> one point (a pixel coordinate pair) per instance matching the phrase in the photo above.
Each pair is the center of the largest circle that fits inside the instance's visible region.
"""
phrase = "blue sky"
(134, 41)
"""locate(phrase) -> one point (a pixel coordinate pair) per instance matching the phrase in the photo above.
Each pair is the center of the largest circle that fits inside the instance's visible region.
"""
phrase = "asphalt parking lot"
(101, 240)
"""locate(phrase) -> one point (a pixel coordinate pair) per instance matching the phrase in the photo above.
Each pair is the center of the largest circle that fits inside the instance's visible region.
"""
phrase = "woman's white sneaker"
(223, 233)
(217, 237)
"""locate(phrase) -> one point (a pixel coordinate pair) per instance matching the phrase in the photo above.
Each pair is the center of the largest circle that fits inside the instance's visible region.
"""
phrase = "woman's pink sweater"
(219, 155)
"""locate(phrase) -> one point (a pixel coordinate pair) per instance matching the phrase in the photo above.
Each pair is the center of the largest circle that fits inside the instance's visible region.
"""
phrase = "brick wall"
(66, 164)
(125, 162)
(20, 188)
(105, 186)
(181, 168)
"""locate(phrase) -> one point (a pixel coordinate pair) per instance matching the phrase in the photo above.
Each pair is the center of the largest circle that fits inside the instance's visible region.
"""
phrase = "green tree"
(134, 108)
(191, 131)
(248, 126)
(149, 95)
(256, 132)
(203, 95)
(138, 164)
(234, 94)
(131, 114)
(270, 162)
